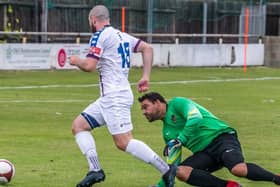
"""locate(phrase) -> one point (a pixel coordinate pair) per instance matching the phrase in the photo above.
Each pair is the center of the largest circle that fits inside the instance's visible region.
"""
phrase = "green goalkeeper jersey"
(194, 125)
(191, 123)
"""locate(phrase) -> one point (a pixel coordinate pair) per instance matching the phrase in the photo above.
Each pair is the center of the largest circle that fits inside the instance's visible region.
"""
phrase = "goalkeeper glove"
(171, 146)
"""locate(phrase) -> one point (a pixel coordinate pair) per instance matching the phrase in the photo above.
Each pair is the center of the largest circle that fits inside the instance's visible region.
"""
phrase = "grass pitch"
(37, 109)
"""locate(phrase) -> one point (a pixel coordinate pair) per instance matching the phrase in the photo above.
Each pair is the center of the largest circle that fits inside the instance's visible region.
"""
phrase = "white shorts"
(112, 111)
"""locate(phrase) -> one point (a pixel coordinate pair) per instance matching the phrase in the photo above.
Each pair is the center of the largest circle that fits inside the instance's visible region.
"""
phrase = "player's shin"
(86, 143)
(143, 152)
(257, 173)
(202, 178)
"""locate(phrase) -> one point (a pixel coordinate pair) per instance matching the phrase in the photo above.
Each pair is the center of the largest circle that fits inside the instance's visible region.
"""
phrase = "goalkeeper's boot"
(233, 184)
(169, 176)
(92, 178)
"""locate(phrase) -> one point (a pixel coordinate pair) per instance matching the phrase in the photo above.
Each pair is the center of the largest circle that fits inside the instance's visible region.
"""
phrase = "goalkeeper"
(213, 142)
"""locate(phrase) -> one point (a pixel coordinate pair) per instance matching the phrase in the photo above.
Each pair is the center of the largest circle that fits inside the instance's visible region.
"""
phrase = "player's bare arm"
(87, 64)
(147, 55)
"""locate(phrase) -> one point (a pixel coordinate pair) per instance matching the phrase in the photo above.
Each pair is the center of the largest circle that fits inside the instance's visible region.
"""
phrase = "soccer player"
(109, 54)
(213, 142)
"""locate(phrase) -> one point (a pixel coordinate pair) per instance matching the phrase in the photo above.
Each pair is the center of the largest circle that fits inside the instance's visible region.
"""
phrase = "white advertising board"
(56, 56)
(21, 56)
(61, 54)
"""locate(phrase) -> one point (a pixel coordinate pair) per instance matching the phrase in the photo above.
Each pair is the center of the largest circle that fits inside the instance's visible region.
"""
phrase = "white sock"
(143, 152)
(86, 144)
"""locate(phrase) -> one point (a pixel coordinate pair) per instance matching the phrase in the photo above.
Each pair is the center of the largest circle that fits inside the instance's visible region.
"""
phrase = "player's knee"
(183, 173)
(239, 170)
(79, 125)
(122, 140)
(121, 145)
(74, 128)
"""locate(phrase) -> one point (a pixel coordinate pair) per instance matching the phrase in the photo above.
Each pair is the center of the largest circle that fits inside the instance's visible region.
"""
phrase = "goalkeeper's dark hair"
(152, 97)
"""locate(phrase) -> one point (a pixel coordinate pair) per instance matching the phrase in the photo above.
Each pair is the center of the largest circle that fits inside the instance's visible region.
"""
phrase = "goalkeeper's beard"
(151, 118)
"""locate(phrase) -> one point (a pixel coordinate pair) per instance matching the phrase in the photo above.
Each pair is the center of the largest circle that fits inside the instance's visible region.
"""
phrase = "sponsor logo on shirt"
(95, 50)
(193, 113)
(173, 118)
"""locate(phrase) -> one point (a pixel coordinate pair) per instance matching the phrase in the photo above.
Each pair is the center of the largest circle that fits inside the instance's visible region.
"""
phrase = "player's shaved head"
(100, 12)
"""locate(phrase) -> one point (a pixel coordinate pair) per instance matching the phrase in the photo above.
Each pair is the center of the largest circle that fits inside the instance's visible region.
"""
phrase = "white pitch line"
(217, 80)
(49, 86)
(45, 101)
(154, 83)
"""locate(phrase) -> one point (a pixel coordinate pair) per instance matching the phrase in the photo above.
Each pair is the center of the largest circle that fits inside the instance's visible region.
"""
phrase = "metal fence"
(186, 18)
